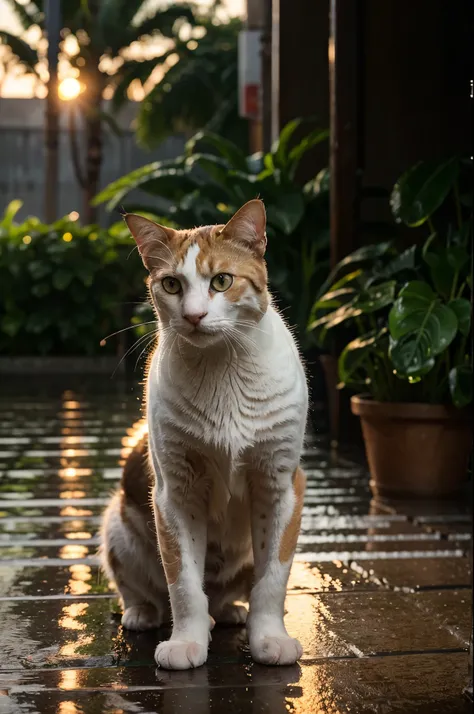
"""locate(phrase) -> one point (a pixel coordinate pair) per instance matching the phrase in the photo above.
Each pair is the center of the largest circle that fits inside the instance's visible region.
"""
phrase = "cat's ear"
(247, 226)
(152, 239)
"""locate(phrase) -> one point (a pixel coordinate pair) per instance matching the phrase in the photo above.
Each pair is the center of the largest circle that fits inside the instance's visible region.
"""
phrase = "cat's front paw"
(280, 650)
(177, 654)
(141, 617)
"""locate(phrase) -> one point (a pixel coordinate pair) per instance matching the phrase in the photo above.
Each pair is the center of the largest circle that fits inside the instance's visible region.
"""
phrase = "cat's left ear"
(248, 226)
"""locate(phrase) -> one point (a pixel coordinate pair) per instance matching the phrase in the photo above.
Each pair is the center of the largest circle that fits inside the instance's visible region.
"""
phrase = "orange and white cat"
(218, 477)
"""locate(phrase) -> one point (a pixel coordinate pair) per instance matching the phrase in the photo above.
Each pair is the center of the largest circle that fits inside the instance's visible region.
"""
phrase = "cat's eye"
(171, 285)
(221, 282)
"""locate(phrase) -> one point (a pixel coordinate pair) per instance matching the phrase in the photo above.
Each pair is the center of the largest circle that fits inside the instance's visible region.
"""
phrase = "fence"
(22, 175)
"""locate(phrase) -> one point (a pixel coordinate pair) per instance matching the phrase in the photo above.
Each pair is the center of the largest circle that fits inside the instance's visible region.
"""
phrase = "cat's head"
(210, 282)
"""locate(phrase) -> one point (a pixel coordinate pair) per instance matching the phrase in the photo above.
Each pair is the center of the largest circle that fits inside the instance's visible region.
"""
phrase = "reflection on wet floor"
(379, 595)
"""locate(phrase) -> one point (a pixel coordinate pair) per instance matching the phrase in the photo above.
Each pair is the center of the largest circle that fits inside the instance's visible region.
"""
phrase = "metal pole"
(255, 22)
(267, 75)
(53, 28)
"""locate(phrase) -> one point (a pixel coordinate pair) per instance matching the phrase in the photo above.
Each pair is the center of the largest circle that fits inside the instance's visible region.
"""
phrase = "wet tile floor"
(380, 594)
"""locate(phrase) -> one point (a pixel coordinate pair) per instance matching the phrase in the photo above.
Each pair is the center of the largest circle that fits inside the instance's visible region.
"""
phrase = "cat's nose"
(194, 317)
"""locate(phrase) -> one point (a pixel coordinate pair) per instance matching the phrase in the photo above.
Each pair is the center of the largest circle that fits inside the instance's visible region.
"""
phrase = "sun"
(69, 88)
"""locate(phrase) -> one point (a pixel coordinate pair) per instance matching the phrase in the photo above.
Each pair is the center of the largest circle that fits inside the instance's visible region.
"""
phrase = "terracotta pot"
(419, 450)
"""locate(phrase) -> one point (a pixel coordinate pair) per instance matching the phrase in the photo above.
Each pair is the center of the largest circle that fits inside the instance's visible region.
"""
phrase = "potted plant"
(406, 320)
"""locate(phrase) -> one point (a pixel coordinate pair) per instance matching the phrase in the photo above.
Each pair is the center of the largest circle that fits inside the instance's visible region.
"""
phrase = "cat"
(218, 476)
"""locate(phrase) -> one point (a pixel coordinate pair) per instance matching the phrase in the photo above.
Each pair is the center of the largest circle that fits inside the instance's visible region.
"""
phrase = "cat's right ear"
(153, 240)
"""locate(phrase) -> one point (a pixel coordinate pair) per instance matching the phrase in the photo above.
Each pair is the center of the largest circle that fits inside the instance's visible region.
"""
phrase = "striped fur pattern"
(216, 488)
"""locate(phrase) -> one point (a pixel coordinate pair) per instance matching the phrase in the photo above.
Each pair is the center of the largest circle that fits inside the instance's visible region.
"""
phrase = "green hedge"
(64, 287)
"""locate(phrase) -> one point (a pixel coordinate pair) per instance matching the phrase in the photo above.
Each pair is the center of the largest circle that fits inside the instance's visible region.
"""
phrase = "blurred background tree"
(181, 61)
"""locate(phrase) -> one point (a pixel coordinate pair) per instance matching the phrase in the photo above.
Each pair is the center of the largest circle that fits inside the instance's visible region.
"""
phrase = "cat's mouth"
(199, 335)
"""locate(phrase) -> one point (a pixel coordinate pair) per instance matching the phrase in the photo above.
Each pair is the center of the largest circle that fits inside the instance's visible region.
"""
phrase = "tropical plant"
(213, 178)
(63, 287)
(104, 31)
(198, 91)
(406, 316)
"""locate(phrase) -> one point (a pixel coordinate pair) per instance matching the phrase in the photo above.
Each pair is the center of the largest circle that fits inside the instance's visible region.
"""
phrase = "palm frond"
(117, 26)
(200, 88)
(131, 70)
(27, 15)
(26, 55)
(163, 21)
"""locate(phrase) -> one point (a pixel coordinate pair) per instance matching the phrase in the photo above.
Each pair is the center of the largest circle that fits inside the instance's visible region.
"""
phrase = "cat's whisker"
(131, 349)
(130, 327)
(150, 341)
(163, 260)
(170, 350)
(234, 336)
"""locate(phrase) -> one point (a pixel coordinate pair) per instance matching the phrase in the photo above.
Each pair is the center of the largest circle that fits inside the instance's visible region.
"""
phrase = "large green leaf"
(132, 180)
(376, 297)
(460, 385)
(336, 298)
(422, 189)
(355, 354)
(339, 294)
(462, 309)
(286, 215)
(159, 179)
(227, 149)
(457, 256)
(318, 185)
(442, 273)
(10, 212)
(217, 167)
(367, 253)
(296, 154)
(280, 146)
(421, 327)
(445, 264)
(344, 313)
(403, 262)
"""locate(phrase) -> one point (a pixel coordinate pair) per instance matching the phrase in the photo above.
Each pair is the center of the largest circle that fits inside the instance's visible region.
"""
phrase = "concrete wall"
(22, 156)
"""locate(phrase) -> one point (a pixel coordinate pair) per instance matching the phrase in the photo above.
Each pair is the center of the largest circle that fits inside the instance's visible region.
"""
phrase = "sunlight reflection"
(72, 494)
(72, 471)
(67, 707)
(71, 452)
(68, 679)
(304, 577)
(78, 535)
(73, 551)
(71, 440)
(71, 648)
(71, 404)
(71, 612)
(315, 694)
(80, 574)
(73, 511)
(68, 415)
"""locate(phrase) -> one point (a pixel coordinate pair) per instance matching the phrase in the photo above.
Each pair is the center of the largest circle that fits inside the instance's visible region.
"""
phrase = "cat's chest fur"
(226, 403)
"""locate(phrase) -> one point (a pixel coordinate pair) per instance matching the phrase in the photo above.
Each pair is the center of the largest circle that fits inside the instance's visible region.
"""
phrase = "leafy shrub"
(63, 287)
(213, 178)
